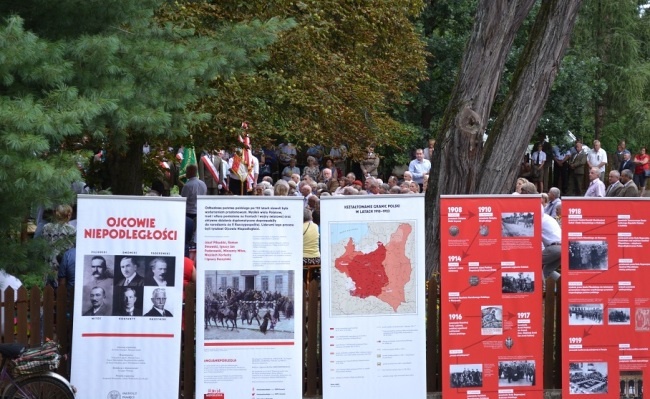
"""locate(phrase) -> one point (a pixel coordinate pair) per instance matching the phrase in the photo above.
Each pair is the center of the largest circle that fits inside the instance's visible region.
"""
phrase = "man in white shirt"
(597, 158)
(419, 167)
(596, 187)
(552, 246)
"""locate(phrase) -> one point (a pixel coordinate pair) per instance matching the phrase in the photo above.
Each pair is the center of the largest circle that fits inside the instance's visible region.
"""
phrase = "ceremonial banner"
(491, 296)
(372, 296)
(128, 297)
(249, 297)
(605, 300)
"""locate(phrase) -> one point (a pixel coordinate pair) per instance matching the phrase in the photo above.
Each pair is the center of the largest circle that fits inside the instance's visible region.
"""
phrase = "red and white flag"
(247, 157)
(213, 170)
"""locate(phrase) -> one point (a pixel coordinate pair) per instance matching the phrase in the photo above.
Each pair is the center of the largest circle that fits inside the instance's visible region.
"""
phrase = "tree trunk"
(464, 166)
(126, 169)
(599, 120)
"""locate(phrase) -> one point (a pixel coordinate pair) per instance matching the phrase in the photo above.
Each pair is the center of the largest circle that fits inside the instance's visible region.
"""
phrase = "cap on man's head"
(358, 183)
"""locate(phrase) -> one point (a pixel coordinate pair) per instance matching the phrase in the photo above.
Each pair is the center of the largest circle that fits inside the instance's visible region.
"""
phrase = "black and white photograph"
(642, 319)
(631, 384)
(618, 316)
(466, 375)
(517, 373)
(249, 304)
(138, 271)
(158, 302)
(587, 378)
(128, 301)
(517, 224)
(587, 255)
(98, 285)
(586, 314)
(491, 320)
(517, 282)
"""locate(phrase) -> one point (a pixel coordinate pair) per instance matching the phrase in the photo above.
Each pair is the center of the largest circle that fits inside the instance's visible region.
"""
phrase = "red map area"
(382, 273)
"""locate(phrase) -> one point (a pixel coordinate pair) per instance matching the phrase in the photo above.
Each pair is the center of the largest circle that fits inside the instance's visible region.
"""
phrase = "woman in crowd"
(641, 161)
(312, 169)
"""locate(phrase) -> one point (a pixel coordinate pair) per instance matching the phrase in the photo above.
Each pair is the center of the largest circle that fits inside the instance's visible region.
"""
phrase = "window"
(278, 283)
(235, 283)
(224, 282)
(265, 283)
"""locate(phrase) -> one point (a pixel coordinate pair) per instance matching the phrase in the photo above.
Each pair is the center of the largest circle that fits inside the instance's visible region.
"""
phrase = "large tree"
(332, 78)
(464, 165)
(147, 72)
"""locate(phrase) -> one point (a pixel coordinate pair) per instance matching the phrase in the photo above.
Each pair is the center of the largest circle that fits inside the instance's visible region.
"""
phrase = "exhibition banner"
(605, 301)
(491, 296)
(249, 297)
(372, 296)
(128, 297)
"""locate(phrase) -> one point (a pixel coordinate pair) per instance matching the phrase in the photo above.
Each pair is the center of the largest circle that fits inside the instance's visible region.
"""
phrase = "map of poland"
(373, 269)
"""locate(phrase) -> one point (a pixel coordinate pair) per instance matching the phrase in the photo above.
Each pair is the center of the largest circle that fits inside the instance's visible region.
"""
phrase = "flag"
(247, 158)
(189, 158)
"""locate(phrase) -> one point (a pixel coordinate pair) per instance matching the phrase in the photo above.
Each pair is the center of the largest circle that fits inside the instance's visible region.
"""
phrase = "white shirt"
(551, 230)
(596, 189)
(596, 157)
(418, 169)
(539, 157)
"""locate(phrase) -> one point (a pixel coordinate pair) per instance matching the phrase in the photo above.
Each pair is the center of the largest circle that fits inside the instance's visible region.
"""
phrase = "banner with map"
(491, 296)
(373, 302)
(249, 287)
(128, 296)
(605, 300)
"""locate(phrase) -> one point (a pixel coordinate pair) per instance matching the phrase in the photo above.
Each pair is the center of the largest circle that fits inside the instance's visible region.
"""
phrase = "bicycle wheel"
(39, 387)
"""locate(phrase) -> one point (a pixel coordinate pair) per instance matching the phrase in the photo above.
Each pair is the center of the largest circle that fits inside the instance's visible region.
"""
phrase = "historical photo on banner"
(372, 294)
(491, 296)
(605, 302)
(128, 306)
(249, 287)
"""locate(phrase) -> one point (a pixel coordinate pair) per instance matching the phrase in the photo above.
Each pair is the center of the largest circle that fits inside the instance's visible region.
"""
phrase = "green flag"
(189, 158)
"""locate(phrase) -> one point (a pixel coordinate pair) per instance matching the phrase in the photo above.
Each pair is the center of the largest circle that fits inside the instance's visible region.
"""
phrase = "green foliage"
(37, 108)
(332, 78)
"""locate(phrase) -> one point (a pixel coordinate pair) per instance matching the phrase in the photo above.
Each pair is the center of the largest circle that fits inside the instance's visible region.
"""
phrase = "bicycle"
(40, 385)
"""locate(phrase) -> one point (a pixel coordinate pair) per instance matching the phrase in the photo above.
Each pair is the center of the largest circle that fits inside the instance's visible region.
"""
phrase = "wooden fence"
(40, 314)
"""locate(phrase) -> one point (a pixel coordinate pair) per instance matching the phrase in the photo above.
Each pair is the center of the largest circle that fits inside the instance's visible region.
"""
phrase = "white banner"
(249, 327)
(372, 295)
(128, 297)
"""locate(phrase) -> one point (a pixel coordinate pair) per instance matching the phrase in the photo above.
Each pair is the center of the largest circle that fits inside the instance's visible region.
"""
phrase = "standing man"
(618, 158)
(597, 158)
(210, 172)
(596, 187)
(561, 168)
(192, 188)
(629, 188)
(626, 162)
(537, 172)
(419, 167)
(129, 271)
(577, 170)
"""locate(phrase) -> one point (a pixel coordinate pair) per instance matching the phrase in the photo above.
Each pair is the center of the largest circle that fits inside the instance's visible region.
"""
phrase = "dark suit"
(332, 185)
(206, 176)
(122, 312)
(136, 281)
(105, 310)
(577, 164)
(150, 282)
(155, 313)
(626, 165)
(614, 189)
(629, 190)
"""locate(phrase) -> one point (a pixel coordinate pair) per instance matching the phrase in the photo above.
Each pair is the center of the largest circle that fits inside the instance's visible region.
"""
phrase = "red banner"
(605, 307)
(491, 302)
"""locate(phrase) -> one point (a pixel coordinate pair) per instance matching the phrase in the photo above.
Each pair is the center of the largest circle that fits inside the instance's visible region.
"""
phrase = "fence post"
(34, 317)
(189, 343)
(48, 313)
(549, 330)
(312, 338)
(557, 359)
(21, 316)
(9, 314)
(433, 321)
